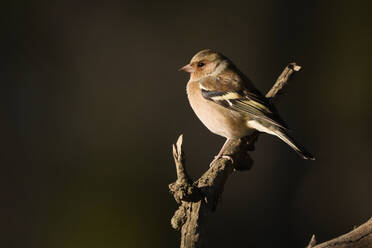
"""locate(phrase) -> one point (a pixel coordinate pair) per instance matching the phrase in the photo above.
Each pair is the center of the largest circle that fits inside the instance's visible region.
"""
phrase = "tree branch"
(282, 80)
(198, 198)
(360, 237)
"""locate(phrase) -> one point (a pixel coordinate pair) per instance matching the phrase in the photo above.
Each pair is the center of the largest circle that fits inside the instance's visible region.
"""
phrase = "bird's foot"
(222, 156)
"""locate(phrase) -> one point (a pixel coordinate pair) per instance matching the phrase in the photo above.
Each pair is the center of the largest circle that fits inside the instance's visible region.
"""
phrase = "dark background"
(92, 101)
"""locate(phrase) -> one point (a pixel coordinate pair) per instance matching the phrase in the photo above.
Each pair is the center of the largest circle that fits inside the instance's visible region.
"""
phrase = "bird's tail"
(283, 135)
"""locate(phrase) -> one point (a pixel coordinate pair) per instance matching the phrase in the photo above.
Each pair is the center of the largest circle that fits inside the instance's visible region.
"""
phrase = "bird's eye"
(200, 64)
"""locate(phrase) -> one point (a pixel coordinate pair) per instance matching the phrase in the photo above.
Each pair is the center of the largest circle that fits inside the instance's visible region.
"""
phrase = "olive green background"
(92, 101)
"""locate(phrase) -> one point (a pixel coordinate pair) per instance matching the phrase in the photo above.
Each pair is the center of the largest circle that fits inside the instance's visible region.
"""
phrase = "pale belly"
(216, 118)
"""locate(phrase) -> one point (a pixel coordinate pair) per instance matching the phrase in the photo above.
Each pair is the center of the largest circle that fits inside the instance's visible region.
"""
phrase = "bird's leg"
(219, 155)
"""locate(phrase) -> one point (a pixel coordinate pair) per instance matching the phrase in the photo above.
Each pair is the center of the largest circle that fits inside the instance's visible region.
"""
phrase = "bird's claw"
(223, 156)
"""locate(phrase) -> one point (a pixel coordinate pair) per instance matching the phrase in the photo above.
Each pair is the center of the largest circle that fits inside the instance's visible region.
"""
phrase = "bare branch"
(360, 237)
(282, 80)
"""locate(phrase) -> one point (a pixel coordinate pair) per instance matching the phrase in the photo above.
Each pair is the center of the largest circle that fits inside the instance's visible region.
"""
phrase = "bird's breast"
(216, 118)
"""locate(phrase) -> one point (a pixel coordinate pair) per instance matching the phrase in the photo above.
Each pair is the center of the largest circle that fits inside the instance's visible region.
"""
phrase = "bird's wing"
(232, 95)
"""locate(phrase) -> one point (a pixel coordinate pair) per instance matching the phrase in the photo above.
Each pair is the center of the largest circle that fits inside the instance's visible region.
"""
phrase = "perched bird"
(228, 104)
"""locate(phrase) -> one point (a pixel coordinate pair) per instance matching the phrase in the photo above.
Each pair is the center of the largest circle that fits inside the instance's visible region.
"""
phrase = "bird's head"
(206, 63)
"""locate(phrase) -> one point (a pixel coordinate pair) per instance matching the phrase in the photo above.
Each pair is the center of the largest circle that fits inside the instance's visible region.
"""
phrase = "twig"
(282, 80)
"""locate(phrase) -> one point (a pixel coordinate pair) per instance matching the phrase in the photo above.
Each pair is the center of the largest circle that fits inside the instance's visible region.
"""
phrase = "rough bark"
(360, 237)
(199, 198)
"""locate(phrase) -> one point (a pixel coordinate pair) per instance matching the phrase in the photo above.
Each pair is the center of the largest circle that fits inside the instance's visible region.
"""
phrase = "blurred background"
(92, 101)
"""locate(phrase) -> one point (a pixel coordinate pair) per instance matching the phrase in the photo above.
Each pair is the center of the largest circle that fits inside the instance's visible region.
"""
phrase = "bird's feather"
(238, 98)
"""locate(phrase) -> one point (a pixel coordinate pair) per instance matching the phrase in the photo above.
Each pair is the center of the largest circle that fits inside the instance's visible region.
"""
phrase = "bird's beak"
(187, 68)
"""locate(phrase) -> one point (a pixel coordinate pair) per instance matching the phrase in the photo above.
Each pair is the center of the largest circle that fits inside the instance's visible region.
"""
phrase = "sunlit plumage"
(228, 104)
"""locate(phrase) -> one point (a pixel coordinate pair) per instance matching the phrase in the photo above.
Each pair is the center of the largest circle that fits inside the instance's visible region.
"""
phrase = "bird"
(229, 105)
